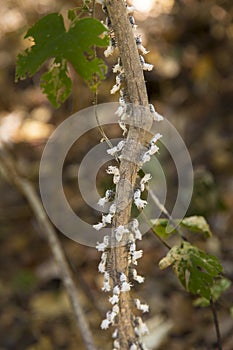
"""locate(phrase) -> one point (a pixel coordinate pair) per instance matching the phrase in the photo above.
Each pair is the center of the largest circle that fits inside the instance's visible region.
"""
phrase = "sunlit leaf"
(165, 229)
(197, 224)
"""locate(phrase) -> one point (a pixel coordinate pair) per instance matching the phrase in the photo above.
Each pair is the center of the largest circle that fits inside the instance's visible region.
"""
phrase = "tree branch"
(136, 139)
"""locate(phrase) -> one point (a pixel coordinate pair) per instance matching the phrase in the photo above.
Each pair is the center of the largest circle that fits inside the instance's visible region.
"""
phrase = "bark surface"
(129, 166)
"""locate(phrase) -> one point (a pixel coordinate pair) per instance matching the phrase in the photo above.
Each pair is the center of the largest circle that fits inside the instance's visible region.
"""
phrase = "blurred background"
(191, 48)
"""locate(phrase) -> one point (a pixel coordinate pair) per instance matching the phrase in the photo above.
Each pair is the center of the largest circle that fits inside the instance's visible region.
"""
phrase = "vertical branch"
(136, 138)
(10, 172)
(128, 51)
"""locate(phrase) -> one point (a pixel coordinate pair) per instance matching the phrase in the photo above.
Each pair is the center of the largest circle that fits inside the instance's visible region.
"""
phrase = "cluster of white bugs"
(114, 150)
(106, 219)
(114, 170)
(145, 66)
(153, 148)
(119, 232)
(140, 203)
(140, 306)
(144, 181)
(129, 234)
(118, 68)
(140, 328)
(108, 195)
(132, 233)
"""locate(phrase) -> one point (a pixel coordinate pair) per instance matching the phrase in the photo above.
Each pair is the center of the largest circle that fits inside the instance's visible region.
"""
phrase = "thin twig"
(10, 172)
(168, 215)
(216, 324)
(155, 233)
(102, 132)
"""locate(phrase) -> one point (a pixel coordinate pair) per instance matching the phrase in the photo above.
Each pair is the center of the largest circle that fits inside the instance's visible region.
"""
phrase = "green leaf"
(195, 269)
(72, 14)
(56, 83)
(202, 302)
(162, 229)
(217, 289)
(193, 223)
(51, 40)
(48, 33)
(197, 224)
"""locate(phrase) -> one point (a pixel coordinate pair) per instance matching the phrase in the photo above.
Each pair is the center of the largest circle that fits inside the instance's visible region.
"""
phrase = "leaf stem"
(157, 236)
(168, 215)
(216, 324)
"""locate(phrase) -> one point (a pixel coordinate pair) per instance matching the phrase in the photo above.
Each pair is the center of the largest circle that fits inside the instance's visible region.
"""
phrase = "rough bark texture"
(128, 169)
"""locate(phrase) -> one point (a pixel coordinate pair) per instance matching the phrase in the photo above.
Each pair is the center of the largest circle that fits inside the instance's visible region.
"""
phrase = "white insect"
(114, 299)
(144, 181)
(105, 324)
(119, 232)
(156, 116)
(116, 173)
(102, 201)
(140, 306)
(98, 226)
(140, 203)
(137, 278)
(125, 287)
(140, 46)
(114, 150)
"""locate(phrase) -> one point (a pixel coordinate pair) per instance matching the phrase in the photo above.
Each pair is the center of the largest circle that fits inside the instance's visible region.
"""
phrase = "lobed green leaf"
(51, 40)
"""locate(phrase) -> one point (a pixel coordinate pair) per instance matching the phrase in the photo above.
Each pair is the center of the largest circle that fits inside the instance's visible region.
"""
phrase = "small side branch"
(10, 172)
